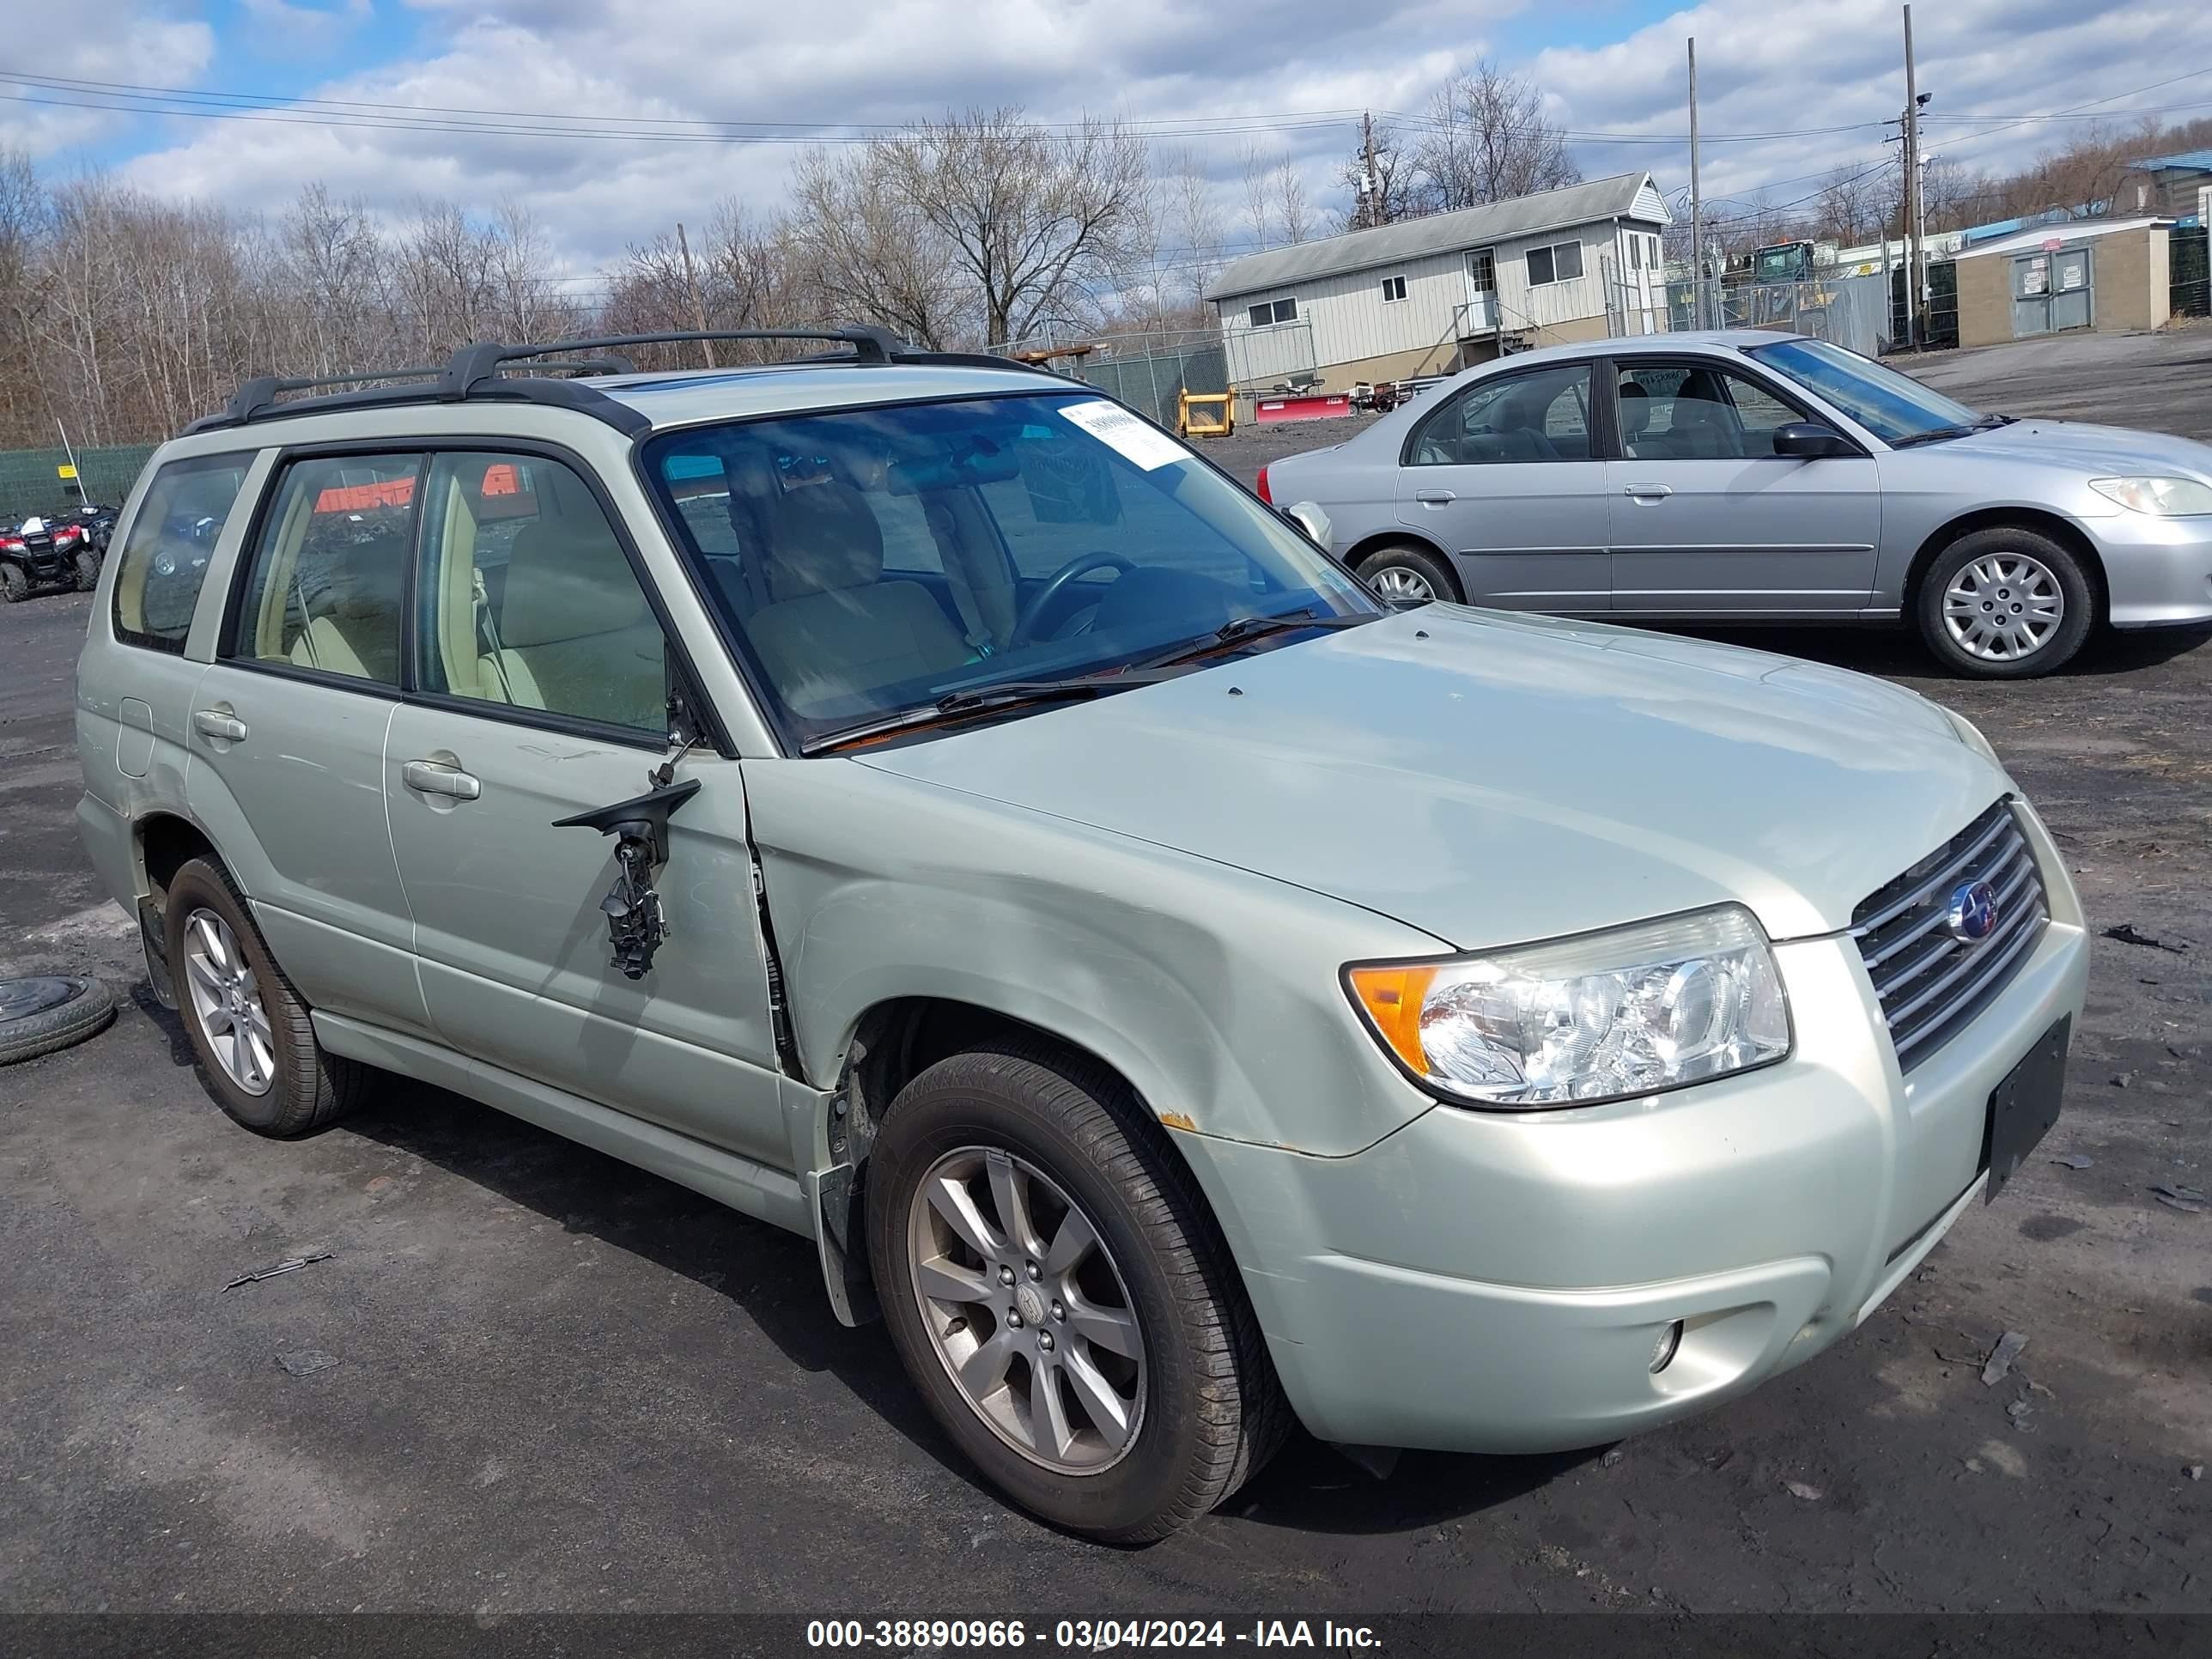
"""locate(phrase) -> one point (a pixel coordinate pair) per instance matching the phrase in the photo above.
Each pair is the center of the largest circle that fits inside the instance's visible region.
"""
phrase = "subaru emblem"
(1974, 912)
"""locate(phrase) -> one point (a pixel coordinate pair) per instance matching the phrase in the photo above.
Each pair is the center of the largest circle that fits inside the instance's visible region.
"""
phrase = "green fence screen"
(31, 480)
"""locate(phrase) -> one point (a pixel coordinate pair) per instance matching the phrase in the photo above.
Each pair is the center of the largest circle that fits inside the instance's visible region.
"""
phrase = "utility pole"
(1916, 292)
(698, 304)
(1697, 202)
(1371, 186)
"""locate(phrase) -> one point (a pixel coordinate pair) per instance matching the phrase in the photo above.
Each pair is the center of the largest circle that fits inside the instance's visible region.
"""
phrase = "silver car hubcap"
(2003, 607)
(227, 1002)
(1027, 1310)
(1395, 581)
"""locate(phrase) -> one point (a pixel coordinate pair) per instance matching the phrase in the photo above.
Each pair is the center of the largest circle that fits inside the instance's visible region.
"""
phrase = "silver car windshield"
(1895, 407)
(872, 561)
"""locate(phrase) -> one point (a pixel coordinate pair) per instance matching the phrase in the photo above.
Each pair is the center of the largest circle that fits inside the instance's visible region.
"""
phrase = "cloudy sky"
(614, 118)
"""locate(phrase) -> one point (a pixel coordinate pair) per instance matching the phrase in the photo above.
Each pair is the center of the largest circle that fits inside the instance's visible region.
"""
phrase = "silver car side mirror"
(1308, 517)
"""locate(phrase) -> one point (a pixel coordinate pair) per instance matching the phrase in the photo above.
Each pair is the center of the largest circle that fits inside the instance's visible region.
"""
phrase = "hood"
(1493, 779)
(2102, 450)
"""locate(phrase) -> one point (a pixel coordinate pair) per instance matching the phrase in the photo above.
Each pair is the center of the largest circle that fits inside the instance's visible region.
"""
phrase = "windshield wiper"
(981, 699)
(1935, 434)
(1238, 629)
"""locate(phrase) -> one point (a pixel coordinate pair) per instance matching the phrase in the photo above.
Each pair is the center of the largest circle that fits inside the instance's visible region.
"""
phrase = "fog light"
(1662, 1352)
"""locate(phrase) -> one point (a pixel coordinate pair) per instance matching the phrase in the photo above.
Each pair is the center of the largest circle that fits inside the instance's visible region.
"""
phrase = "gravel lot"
(562, 1385)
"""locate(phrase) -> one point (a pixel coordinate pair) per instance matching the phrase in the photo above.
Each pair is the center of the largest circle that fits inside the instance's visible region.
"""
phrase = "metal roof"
(1438, 233)
(2198, 159)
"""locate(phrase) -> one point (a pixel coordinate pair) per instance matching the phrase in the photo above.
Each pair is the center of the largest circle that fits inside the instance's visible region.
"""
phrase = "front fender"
(1213, 991)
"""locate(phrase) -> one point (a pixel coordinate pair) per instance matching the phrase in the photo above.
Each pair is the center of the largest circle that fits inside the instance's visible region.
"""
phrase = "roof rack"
(477, 373)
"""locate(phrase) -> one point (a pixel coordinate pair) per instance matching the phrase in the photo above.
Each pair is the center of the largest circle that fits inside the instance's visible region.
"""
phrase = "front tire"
(1059, 1295)
(2005, 604)
(1409, 574)
(88, 571)
(248, 1028)
(14, 584)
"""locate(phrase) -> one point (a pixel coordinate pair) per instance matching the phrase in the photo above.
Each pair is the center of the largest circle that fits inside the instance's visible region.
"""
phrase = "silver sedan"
(1753, 476)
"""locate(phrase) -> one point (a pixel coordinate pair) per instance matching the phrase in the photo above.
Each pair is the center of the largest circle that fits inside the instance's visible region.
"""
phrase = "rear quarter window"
(164, 562)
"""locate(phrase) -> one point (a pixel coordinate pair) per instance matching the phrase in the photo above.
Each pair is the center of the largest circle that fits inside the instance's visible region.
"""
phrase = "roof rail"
(477, 372)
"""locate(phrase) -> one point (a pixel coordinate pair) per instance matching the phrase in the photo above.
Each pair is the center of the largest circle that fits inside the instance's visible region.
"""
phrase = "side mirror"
(1808, 441)
(1311, 520)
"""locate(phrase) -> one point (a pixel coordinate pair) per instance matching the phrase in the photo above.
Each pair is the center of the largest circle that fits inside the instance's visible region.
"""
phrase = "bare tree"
(873, 253)
(1256, 172)
(1033, 218)
(1196, 216)
(1850, 206)
(1491, 140)
(1288, 190)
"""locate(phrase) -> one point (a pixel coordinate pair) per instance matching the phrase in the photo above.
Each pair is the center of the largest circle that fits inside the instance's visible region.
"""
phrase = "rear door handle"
(1649, 492)
(1434, 497)
(436, 778)
(219, 723)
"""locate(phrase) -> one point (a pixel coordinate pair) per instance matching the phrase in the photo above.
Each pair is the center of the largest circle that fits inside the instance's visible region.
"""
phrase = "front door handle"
(1435, 497)
(436, 778)
(219, 722)
(1649, 492)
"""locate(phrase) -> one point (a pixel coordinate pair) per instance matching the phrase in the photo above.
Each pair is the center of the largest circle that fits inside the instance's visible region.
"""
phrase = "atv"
(38, 554)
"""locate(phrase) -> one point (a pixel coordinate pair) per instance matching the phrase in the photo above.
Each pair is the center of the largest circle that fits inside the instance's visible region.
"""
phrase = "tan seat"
(575, 634)
(834, 627)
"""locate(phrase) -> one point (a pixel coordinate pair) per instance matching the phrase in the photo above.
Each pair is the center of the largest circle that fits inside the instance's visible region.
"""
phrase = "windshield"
(1895, 407)
(876, 561)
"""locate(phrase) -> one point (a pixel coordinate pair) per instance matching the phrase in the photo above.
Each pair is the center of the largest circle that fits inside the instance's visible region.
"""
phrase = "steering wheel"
(1081, 564)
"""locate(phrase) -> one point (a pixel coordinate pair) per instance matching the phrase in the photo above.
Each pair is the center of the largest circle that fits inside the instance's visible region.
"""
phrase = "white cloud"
(112, 41)
(278, 27)
(1764, 68)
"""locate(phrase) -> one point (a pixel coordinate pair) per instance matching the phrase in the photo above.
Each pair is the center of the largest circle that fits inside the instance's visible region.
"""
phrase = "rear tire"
(1407, 572)
(249, 1028)
(2006, 603)
(88, 571)
(1194, 1411)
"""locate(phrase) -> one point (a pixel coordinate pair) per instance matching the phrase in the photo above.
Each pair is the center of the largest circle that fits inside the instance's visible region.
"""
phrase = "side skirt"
(751, 1188)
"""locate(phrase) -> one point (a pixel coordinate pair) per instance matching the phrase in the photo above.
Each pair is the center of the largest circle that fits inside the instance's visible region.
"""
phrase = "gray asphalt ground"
(562, 1385)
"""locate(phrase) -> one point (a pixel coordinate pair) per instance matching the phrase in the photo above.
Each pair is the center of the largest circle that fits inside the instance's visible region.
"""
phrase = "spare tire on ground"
(38, 1015)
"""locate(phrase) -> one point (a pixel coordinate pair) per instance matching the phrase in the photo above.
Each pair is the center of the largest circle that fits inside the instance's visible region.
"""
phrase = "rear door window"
(164, 561)
(324, 592)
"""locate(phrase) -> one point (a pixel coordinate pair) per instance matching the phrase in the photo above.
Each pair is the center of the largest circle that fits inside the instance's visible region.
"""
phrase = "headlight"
(1599, 1017)
(2163, 498)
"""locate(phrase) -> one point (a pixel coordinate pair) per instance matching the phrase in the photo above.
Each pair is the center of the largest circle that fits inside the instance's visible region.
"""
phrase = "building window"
(1636, 254)
(1394, 289)
(1560, 263)
(1278, 311)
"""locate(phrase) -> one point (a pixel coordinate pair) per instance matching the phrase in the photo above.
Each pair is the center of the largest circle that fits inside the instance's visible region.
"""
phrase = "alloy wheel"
(1395, 581)
(2003, 606)
(1027, 1310)
(227, 1002)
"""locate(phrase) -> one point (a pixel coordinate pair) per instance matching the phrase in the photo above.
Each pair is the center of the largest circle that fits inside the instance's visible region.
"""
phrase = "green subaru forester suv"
(920, 802)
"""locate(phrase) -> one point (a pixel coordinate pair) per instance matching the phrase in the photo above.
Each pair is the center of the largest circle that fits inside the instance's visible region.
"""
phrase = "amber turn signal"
(1392, 994)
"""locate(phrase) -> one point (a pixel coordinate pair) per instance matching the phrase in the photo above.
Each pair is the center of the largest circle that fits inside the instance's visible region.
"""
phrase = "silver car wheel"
(2003, 607)
(1027, 1310)
(1395, 581)
(227, 1002)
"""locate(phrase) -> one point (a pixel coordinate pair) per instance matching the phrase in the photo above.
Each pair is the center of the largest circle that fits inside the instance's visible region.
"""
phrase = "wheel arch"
(2042, 520)
(1365, 549)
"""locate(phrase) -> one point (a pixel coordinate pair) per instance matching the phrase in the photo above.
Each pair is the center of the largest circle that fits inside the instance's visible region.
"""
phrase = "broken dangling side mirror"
(636, 928)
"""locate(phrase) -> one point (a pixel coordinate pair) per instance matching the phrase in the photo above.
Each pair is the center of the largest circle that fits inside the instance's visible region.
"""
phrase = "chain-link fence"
(1850, 311)
(1939, 329)
(1150, 369)
(2190, 293)
(31, 479)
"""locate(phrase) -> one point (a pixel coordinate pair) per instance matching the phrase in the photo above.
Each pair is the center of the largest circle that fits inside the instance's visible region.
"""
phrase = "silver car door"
(287, 727)
(1708, 521)
(1505, 477)
(540, 691)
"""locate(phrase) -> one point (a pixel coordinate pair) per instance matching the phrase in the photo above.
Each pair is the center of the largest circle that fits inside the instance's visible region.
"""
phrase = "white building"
(1426, 296)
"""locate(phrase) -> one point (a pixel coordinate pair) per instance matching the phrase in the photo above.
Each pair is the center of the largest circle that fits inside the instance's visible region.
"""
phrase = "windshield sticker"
(1136, 439)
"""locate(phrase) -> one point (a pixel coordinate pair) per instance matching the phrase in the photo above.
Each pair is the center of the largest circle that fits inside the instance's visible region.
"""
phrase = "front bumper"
(1498, 1283)
(2158, 572)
